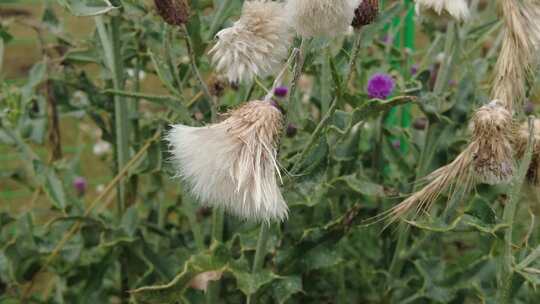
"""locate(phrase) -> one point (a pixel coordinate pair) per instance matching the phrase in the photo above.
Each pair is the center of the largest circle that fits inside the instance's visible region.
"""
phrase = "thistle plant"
(229, 151)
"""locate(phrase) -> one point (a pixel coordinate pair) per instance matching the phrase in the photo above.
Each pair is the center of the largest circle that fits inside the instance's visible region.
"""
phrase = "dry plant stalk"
(490, 155)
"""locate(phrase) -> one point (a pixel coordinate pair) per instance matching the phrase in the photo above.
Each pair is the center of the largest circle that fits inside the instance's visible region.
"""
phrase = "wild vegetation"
(397, 163)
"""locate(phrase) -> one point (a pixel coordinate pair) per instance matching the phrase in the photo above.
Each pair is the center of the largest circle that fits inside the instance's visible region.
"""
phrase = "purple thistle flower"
(80, 184)
(281, 91)
(380, 86)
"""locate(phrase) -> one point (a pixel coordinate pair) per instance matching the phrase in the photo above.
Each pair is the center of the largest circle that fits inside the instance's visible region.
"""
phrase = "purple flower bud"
(528, 108)
(420, 123)
(386, 39)
(281, 92)
(291, 130)
(80, 184)
(452, 83)
(380, 86)
(396, 144)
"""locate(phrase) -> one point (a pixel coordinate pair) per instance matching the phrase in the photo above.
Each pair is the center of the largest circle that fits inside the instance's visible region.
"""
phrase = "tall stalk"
(260, 253)
(112, 47)
(507, 261)
(218, 217)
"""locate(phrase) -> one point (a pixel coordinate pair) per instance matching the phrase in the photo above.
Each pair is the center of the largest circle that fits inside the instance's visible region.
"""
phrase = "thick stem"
(354, 58)
(217, 236)
(112, 48)
(507, 261)
(260, 253)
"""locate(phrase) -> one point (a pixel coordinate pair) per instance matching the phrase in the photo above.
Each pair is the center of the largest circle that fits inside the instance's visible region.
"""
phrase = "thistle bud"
(291, 131)
(366, 13)
(217, 86)
(174, 12)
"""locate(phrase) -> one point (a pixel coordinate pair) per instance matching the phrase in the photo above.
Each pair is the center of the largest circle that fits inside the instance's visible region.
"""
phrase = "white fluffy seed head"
(256, 45)
(321, 17)
(233, 164)
(457, 9)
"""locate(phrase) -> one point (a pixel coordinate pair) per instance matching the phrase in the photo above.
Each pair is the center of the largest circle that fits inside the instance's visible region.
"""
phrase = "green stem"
(167, 38)
(112, 48)
(507, 275)
(188, 204)
(195, 69)
(445, 68)
(218, 217)
(260, 253)
(354, 57)
(531, 258)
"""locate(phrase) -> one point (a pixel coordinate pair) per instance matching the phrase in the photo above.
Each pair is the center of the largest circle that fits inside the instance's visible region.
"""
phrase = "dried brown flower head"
(492, 144)
(174, 12)
(366, 13)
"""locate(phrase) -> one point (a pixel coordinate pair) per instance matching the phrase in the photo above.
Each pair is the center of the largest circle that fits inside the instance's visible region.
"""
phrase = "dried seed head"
(233, 164)
(456, 9)
(329, 18)
(492, 142)
(174, 12)
(256, 45)
(366, 13)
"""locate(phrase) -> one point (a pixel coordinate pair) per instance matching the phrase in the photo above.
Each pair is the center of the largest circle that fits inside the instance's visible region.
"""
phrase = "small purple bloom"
(396, 144)
(79, 183)
(452, 83)
(281, 92)
(414, 69)
(386, 39)
(380, 86)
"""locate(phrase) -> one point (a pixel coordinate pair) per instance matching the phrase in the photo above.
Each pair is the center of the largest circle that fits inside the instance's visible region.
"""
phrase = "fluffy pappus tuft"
(256, 45)
(233, 164)
(456, 9)
(321, 17)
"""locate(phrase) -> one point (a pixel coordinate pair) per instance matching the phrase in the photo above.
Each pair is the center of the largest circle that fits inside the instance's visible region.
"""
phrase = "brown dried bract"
(366, 13)
(174, 12)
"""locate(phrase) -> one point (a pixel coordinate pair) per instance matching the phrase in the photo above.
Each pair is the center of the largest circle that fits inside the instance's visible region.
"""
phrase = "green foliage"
(344, 168)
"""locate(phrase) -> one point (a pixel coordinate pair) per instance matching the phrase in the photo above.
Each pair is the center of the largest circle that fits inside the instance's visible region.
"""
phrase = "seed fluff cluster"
(457, 9)
(321, 17)
(256, 45)
(233, 164)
